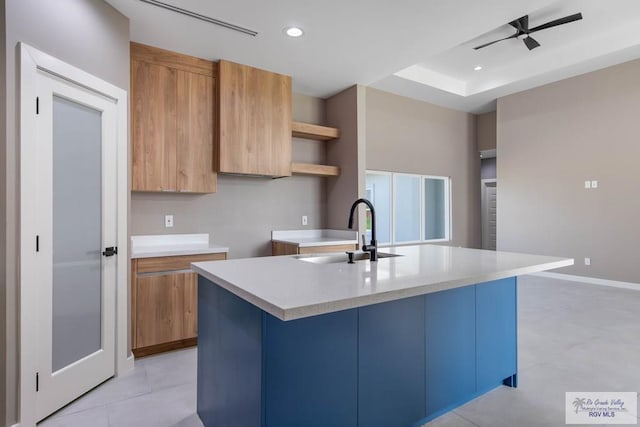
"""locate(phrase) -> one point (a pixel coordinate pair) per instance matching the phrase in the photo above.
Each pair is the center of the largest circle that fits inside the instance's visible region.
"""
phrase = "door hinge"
(37, 381)
(37, 105)
(110, 251)
(37, 243)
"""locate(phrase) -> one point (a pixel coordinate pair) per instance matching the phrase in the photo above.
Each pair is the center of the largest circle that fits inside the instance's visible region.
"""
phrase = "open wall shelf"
(318, 133)
(311, 131)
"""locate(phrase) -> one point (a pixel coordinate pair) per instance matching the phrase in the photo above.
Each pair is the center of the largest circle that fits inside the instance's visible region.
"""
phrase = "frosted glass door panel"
(407, 204)
(434, 208)
(379, 193)
(77, 225)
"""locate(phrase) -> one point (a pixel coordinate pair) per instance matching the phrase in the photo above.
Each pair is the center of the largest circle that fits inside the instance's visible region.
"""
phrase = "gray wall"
(405, 135)
(553, 138)
(88, 34)
(3, 207)
(486, 131)
(244, 210)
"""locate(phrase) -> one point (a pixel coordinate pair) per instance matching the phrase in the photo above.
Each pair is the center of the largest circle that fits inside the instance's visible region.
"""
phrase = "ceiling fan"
(522, 29)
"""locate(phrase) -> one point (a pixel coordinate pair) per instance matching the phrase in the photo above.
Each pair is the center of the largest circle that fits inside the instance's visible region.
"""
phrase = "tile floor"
(572, 337)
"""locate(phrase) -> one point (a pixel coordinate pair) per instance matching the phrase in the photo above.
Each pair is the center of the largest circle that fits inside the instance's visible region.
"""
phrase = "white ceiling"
(417, 48)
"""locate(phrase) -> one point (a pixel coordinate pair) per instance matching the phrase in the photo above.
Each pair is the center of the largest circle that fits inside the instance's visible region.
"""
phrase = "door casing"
(31, 60)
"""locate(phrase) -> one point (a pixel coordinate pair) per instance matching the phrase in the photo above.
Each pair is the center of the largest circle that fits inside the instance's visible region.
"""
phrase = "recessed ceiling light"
(293, 31)
(477, 68)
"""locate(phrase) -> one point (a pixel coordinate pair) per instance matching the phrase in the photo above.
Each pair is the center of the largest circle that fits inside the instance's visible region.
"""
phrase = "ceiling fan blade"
(521, 24)
(556, 22)
(495, 41)
(530, 42)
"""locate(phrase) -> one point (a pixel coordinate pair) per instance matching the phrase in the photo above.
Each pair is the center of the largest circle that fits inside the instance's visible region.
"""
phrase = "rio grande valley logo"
(601, 407)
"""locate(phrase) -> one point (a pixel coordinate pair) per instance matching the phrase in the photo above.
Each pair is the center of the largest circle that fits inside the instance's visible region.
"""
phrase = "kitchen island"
(315, 341)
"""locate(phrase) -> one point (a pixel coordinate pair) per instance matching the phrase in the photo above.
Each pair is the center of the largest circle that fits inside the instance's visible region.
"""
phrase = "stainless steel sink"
(338, 258)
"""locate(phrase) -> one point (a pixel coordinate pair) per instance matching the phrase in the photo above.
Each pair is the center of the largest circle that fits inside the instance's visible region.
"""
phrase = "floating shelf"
(314, 169)
(317, 132)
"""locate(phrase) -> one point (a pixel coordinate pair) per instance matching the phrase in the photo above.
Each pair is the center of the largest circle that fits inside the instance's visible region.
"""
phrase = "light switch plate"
(587, 261)
(594, 184)
(168, 221)
(587, 184)
(305, 220)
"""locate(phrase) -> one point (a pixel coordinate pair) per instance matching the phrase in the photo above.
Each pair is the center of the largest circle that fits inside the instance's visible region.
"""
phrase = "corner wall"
(486, 131)
(406, 135)
(88, 34)
(345, 111)
(553, 138)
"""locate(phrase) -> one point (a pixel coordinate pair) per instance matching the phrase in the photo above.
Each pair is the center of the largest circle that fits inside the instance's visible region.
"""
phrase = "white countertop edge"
(176, 251)
(258, 302)
(334, 306)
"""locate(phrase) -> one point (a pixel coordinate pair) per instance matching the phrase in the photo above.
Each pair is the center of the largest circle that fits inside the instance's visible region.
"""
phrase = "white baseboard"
(16, 425)
(590, 280)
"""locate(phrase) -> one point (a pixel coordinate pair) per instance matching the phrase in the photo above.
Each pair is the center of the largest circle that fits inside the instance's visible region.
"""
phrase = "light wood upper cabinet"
(172, 120)
(254, 121)
(153, 123)
(195, 133)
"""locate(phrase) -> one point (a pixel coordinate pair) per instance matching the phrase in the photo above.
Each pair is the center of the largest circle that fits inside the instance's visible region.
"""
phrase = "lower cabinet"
(164, 303)
(280, 248)
(397, 363)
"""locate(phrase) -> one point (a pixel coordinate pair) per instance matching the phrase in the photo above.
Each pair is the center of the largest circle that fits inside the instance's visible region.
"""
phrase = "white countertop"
(305, 238)
(149, 246)
(289, 288)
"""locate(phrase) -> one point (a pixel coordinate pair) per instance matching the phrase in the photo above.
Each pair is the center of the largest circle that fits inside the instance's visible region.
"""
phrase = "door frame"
(484, 184)
(31, 60)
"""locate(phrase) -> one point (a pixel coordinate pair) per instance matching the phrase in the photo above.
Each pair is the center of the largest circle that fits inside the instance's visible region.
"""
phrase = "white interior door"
(489, 213)
(76, 220)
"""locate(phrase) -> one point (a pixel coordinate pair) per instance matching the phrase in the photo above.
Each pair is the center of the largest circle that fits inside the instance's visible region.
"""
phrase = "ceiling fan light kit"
(522, 29)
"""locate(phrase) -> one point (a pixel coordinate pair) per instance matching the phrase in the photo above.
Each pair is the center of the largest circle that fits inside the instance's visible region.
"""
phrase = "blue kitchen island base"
(398, 363)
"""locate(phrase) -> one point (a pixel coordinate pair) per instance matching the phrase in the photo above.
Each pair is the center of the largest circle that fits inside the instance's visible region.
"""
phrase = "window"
(409, 208)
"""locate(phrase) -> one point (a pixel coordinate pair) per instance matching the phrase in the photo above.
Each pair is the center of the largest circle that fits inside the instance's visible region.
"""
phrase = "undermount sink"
(338, 258)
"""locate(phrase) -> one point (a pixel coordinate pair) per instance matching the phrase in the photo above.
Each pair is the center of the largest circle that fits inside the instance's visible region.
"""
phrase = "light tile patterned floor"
(572, 337)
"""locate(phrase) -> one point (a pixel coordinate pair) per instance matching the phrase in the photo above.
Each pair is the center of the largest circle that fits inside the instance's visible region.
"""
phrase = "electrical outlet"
(587, 261)
(587, 184)
(305, 220)
(594, 184)
(168, 221)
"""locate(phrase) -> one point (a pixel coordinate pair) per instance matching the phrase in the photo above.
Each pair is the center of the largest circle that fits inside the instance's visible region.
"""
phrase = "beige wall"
(244, 211)
(553, 138)
(406, 135)
(486, 131)
(88, 34)
(345, 111)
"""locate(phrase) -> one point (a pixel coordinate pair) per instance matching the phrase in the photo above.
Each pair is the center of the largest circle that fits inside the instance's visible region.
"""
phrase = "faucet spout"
(372, 248)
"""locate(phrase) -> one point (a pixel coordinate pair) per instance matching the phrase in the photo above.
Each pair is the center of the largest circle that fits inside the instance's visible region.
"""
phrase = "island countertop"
(290, 288)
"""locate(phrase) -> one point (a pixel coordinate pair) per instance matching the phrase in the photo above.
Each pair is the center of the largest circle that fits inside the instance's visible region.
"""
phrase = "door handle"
(110, 251)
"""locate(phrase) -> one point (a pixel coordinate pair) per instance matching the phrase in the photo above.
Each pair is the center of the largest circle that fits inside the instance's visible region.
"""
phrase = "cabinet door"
(279, 248)
(195, 133)
(450, 347)
(153, 123)
(496, 332)
(255, 121)
(166, 308)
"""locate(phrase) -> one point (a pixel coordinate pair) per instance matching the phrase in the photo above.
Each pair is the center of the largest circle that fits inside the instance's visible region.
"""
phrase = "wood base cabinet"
(164, 303)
